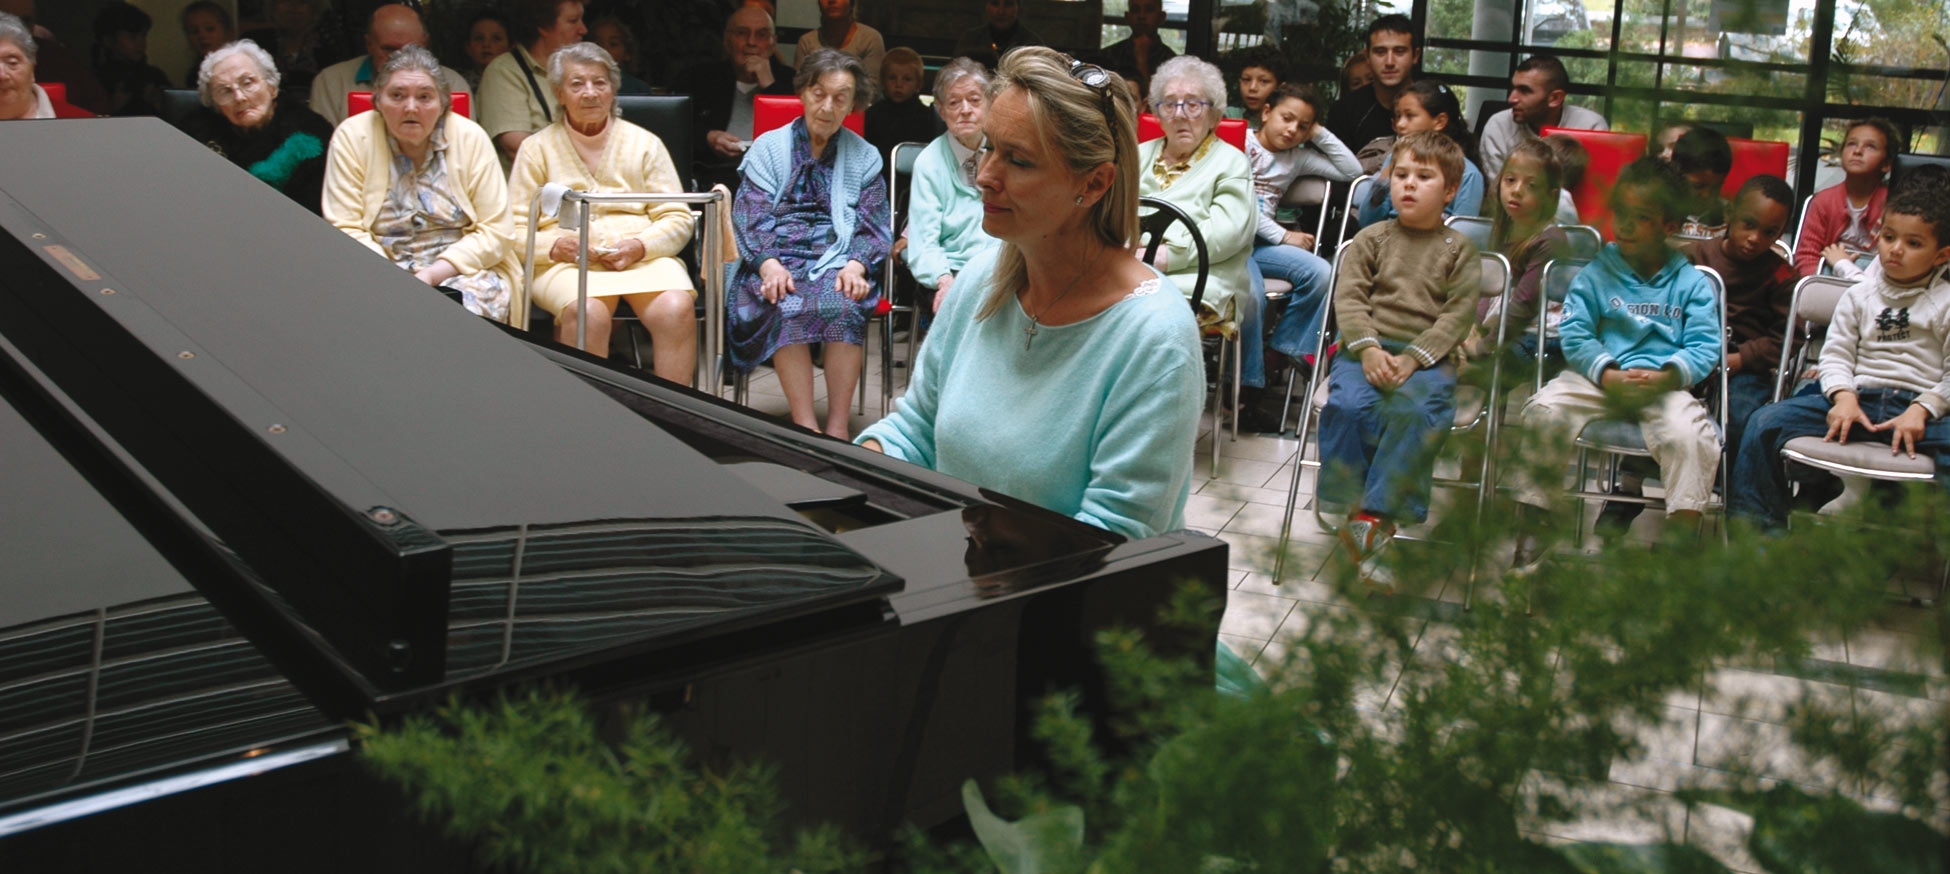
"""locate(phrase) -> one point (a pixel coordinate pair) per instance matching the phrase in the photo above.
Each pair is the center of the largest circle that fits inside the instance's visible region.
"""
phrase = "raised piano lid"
(369, 450)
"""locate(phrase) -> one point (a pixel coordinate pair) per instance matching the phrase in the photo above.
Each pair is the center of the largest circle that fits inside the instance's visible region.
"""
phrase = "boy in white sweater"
(1885, 370)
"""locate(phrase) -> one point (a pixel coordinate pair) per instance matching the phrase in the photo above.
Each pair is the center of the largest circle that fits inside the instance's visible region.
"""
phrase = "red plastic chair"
(774, 111)
(57, 96)
(1754, 158)
(1231, 130)
(360, 101)
(1610, 151)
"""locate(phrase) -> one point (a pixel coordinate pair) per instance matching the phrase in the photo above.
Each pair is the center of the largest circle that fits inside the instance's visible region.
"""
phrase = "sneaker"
(1528, 557)
(1365, 538)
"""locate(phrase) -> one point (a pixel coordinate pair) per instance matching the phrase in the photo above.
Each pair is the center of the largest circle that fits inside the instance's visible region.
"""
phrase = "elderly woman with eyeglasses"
(1213, 183)
(1062, 370)
(944, 208)
(812, 225)
(633, 246)
(420, 185)
(246, 119)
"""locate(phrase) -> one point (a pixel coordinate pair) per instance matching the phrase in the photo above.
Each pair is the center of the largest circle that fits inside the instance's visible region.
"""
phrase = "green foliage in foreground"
(531, 783)
(1496, 728)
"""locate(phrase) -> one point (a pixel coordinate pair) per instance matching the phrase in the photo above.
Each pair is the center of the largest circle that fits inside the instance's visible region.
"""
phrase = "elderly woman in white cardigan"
(944, 208)
(633, 246)
(1212, 182)
(421, 186)
(812, 225)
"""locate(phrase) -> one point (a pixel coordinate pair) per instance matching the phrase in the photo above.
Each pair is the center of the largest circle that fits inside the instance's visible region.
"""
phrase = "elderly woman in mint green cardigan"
(944, 208)
(1213, 183)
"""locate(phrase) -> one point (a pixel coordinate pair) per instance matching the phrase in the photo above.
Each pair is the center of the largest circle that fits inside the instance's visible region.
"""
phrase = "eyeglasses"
(227, 93)
(1186, 108)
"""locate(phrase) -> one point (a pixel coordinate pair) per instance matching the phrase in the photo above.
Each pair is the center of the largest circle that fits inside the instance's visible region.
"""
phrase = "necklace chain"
(1035, 318)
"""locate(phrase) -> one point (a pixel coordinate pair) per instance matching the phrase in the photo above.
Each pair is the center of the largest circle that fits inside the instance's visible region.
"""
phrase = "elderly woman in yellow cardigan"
(421, 186)
(633, 246)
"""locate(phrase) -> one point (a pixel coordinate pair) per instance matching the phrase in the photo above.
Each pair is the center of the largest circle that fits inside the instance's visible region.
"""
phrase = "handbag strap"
(534, 86)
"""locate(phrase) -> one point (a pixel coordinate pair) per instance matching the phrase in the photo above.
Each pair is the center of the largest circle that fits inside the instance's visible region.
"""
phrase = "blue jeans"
(1760, 482)
(1297, 333)
(1251, 308)
(1377, 447)
(1746, 393)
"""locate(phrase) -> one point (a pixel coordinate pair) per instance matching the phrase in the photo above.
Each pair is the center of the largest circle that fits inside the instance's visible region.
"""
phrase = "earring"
(1079, 200)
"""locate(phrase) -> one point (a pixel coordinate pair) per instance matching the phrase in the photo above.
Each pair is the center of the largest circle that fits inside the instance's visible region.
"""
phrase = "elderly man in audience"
(944, 206)
(722, 93)
(419, 185)
(1537, 91)
(1213, 183)
(19, 96)
(515, 102)
(391, 27)
(633, 246)
(247, 120)
(812, 228)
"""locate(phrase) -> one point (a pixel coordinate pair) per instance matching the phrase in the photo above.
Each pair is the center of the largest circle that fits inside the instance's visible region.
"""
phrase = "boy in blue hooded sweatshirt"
(1640, 324)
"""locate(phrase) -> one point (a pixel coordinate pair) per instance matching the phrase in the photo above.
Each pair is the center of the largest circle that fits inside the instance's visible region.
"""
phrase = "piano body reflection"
(258, 482)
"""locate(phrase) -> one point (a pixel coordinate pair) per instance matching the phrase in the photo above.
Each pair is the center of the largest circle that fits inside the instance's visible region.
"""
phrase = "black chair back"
(1151, 230)
(178, 104)
(669, 117)
(1907, 162)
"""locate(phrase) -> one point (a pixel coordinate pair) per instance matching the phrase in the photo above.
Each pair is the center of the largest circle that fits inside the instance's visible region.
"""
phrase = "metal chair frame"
(1164, 214)
(1489, 417)
(710, 351)
(1806, 321)
(900, 165)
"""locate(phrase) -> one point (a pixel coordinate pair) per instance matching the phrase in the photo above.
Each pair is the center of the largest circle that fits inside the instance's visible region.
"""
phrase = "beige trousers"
(1678, 431)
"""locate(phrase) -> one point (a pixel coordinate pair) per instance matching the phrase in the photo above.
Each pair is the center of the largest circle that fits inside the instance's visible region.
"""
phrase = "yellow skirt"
(555, 288)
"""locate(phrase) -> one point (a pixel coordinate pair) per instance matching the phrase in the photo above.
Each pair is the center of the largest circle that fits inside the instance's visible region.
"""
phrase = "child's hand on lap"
(1843, 411)
(1378, 366)
(1907, 428)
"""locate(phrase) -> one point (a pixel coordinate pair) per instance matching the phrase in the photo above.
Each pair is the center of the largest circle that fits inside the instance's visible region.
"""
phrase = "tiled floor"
(1729, 726)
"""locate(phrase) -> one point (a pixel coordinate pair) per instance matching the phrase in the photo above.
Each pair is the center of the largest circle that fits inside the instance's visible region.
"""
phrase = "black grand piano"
(255, 482)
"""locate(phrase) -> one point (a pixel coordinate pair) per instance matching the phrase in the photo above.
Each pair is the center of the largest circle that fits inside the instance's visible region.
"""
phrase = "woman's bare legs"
(843, 364)
(794, 366)
(599, 310)
(671, 318)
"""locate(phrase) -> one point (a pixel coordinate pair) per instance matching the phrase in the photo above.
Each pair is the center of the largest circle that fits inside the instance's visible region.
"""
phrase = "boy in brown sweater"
(1405, 299)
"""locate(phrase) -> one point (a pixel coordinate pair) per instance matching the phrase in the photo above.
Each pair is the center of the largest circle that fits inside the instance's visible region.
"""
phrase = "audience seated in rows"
(487, 37)
(207, 26)
(899, 116)
(633, 247)
(722, 93)
(1143, 52)
(419, 185)
(812, 225)
(841, 30)
(1062, 371)
(1366, 114)
(944, 206)
(1537, 92)
(1404, 300)
(1523, 228)
(121, 60)
(1001, 30)
(514, 102)
(1261, 69)
(1841, 223)
(1885, 366)
(1641, 323)
(1759, 290)
(1194, 170)
(19, 96)
(391, 27)
(1289, 144)
(248, 119)
(1428, 105)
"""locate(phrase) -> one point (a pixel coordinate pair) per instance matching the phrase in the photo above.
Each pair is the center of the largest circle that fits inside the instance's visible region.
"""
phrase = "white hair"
(15, 31)
(585, 53)
(1211, 85)
(956, 70)
(266, 67)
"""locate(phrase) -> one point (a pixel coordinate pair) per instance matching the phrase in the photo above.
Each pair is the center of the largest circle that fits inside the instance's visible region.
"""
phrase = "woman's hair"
(409, 59)
(1210, 83)
(1502, 223)
(212, 7)
(266, 66)
(15, 31)
(1437, 99)
(956, 70)
(584, 53)
(1084, 126)
(531, 17)
(821, 62)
